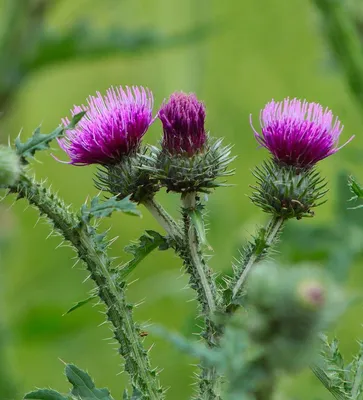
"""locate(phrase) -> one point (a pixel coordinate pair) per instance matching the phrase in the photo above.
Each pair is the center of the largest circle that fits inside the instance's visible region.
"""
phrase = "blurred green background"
(236, 55)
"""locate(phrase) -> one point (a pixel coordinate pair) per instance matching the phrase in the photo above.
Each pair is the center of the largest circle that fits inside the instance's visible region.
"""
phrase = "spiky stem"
(163, 218)
(266, 238)
(201, 274)
(119, 312)
(201, 279)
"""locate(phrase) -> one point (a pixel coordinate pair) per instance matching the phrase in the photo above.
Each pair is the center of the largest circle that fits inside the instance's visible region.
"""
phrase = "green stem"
(201, 279)
(163, 218)
(268, 235)
(119, 312)
(201, 274)
(344, 41)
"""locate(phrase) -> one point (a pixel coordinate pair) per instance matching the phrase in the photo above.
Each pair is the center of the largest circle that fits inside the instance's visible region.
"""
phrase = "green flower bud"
(311, 294)
(288, 307)
(287, 191)
(9, 166)
(199, 172)
(128, 177)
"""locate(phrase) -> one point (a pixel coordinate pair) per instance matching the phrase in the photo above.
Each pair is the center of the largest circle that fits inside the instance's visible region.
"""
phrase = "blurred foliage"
(28, 44)
(267, 49)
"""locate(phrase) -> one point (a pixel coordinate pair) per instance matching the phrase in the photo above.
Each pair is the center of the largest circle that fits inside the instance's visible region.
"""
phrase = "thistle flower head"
(112, 127)
(298, 133)
(183, 119)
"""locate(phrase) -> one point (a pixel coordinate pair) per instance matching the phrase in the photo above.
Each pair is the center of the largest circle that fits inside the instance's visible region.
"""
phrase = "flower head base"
(111, 129)
(183, 119)
(298, 133)
(286, 191)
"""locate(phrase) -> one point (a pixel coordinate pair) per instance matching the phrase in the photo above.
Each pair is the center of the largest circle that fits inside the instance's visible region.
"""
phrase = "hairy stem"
(163, 218)
(84, 239)
(201, 279)
(266, 238)
(343, 37)
(201, 274)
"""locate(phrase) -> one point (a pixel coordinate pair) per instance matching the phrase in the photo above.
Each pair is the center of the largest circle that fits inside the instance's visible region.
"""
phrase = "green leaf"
(197, 219)
(336, 391)
(148, 242)
(331, 370)
(83, 386)
(81, 41)
(195, 349)
(45, 394)
(40, 141)
(81, 303)
(99, 209)
(356, 190)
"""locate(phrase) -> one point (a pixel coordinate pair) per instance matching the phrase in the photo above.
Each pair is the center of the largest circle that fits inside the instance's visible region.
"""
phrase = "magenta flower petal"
(183, 119)
(299, 133)
(112, 127)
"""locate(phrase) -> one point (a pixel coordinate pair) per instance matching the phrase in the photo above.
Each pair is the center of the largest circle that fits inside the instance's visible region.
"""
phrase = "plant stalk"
(163, 218)
(119, 312)
(201, 279)
(270, 236)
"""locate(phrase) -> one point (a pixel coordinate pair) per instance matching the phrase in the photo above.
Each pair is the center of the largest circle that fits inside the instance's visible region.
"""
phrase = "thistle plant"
(263, 320)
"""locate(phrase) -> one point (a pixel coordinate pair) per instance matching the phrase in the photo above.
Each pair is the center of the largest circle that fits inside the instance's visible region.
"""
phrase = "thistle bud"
(189, 161)
(286, 191)
(130, 176)
(311, 293)
(9, 167)
(292, 306)
(183, 118)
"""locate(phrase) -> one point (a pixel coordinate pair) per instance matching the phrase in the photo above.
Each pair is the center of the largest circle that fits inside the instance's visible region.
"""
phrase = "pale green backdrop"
(259, 49)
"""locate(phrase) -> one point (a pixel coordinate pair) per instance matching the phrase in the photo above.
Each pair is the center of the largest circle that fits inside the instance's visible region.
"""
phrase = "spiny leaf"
(45, 394)
(198, 223)
(83, 386)
(331, 371)
(99, 209)
(81, 303)
(148, 242)
(336, 391)
(40, 141)
(356, 190)
(194, 349)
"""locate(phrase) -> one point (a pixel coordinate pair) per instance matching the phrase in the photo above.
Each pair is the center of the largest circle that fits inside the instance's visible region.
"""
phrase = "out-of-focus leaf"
(82, 42)
(83, 386)
(148, 242)
(356, 190)
(45, 394)
(39, 141)
(99, 209)
(195, 349)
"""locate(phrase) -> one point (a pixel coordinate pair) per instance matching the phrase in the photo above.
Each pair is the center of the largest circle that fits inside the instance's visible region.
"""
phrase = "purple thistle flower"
(183, 124)
(112, 127)
(299, 133)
